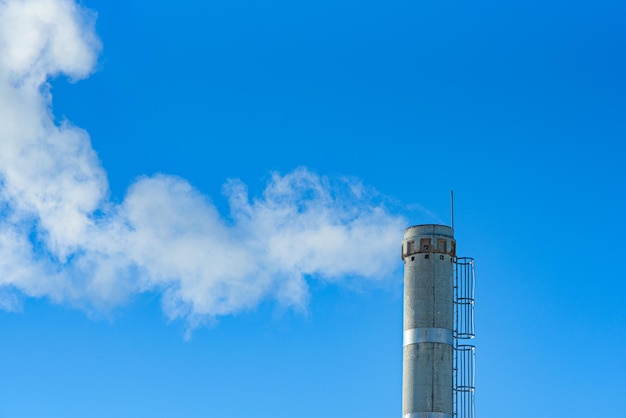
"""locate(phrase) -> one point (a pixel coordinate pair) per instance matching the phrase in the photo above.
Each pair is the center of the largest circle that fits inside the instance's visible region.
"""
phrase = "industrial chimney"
(437, 373)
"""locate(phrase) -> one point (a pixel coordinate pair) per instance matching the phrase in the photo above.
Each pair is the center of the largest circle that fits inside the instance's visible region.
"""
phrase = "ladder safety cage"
(464, 354)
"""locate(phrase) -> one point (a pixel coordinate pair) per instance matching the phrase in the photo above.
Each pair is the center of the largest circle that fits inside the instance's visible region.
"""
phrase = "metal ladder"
(464, 353)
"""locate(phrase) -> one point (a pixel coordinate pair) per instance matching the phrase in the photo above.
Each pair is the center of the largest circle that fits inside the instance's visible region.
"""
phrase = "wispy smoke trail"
(62, 239)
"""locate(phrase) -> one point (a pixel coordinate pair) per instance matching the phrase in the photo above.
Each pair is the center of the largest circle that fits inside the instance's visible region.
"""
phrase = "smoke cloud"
(62, 239)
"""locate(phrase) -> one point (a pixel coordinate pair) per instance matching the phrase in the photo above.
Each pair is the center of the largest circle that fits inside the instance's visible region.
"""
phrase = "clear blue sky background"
(517, 106)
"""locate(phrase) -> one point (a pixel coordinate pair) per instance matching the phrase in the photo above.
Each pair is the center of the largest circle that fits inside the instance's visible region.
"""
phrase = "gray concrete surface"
(428, 252)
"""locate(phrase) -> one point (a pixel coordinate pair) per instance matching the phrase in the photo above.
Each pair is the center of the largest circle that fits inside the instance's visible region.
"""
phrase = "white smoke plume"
(62, 239)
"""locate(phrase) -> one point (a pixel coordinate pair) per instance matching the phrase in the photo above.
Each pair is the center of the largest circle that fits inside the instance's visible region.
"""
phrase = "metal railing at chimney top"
(464, 353)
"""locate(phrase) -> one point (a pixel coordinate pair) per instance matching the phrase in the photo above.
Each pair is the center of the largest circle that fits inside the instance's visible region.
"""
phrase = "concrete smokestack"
(428, 252)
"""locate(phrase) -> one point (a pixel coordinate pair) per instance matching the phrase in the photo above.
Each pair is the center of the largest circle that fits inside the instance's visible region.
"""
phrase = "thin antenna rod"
(452, 208)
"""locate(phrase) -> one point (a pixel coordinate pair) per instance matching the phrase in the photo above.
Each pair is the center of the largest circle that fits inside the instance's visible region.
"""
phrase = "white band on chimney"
(428, 335)
(427, 415)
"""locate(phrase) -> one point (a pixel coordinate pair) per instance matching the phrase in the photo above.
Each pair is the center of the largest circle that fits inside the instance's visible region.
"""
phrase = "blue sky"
(231, 245)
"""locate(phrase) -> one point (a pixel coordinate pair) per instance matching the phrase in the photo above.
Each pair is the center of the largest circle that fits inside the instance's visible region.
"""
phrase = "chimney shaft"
(428, 252)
